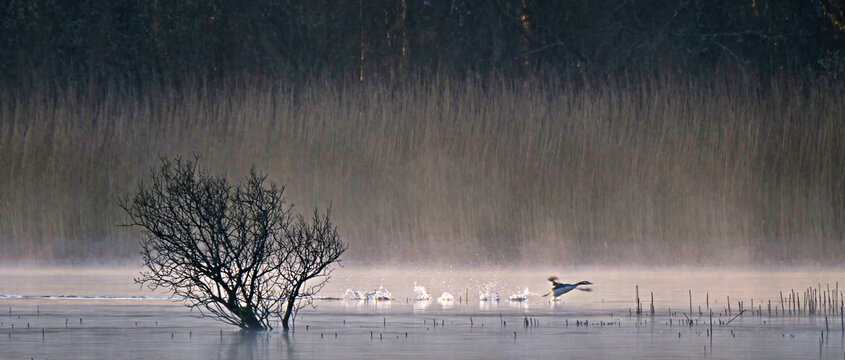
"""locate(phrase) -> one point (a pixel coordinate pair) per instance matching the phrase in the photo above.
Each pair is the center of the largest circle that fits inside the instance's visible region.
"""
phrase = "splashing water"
(484, 297)
(520, 296)
(421, 294)
(381, 294)
(352, 294)
(446, 297)
(486, 292)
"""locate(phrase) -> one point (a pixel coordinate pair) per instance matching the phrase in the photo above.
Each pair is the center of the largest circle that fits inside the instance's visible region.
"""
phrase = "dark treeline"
(141, 40)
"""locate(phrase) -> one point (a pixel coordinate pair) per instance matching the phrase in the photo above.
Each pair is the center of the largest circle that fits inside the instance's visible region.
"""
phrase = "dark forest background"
(149, 40)
(658, 132)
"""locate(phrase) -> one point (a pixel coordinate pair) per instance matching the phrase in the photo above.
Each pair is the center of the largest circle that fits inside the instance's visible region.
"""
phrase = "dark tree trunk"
(248, 318)
(289, 308)
(250, 321)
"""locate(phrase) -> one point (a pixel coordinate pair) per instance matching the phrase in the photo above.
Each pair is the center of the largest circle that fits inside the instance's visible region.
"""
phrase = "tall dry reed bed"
(439, 170)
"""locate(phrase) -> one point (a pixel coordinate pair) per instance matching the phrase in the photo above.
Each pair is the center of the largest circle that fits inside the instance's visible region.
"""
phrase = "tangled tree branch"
(232, 252)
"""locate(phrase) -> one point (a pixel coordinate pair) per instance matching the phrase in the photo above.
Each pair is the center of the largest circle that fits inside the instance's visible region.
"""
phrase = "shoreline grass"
(664, 172)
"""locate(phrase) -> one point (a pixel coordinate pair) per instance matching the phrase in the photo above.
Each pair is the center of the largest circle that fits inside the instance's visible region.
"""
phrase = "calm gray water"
(97, 319)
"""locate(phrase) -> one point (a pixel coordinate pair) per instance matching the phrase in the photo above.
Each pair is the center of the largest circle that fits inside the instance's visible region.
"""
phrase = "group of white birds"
(558, 289)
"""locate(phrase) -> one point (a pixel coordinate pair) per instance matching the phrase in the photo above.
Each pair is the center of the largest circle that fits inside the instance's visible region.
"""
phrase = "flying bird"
(559, 288)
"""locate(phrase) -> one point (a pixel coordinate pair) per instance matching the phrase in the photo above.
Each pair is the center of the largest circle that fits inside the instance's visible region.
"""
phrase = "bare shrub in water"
(233, 252)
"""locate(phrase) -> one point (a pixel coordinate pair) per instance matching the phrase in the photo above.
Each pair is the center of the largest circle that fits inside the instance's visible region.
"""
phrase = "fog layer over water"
(451, 172)
(585, 325)
(614, 288)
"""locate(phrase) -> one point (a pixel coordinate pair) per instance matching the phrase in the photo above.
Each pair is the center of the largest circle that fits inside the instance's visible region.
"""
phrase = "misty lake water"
(102, 314)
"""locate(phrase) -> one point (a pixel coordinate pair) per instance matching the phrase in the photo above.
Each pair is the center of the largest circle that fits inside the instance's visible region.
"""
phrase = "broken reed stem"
(637, 290)
(732, 319)
(711, 329)
(690, 302)
(652, 303)
(792, 300)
